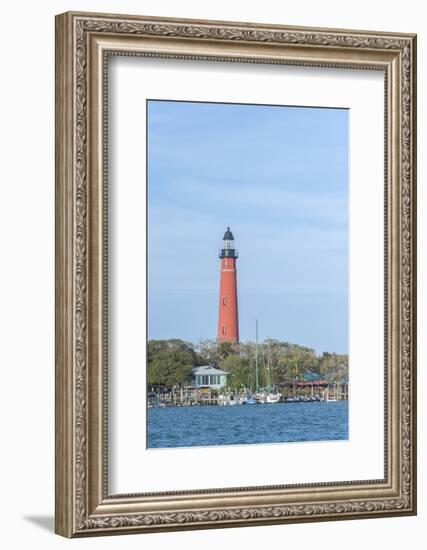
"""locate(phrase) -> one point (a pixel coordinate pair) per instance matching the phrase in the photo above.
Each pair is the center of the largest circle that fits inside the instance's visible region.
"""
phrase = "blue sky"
(278, 176)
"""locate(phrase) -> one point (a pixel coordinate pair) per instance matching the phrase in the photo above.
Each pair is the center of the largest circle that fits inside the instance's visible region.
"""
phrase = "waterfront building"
(228, 319)
(208, 376)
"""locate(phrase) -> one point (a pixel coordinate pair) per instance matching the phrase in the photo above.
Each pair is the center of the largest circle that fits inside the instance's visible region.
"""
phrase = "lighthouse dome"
(228, 235)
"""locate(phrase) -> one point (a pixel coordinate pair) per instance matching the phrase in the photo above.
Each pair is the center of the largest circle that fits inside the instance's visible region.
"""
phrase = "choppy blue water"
(245, 424)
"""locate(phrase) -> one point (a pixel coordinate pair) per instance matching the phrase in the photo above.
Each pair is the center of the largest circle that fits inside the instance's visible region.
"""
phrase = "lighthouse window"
(224, 300)
(223, 330)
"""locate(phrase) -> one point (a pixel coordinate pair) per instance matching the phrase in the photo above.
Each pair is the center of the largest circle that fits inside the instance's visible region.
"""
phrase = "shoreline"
(164, 405)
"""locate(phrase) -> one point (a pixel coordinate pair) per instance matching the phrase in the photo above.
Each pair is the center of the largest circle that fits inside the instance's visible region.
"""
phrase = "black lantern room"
(228, 250)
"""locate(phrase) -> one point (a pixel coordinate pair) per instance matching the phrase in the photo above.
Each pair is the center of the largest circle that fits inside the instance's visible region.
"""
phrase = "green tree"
(226, 349)
(334, 367)
(207, 353)
(154, 346)
(170, 361)
(170, 366)
(238, 367)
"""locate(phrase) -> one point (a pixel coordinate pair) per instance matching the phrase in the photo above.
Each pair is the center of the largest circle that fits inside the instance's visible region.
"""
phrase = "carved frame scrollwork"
(83, 42)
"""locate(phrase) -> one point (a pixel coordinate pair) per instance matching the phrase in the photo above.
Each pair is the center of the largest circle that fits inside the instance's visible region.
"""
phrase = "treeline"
(170, 362)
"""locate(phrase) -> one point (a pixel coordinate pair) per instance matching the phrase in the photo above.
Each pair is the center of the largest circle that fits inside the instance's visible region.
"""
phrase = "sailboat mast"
(268, 363)
(256, 356)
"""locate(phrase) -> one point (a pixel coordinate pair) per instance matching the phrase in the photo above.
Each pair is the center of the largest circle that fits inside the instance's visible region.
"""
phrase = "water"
(245, 424)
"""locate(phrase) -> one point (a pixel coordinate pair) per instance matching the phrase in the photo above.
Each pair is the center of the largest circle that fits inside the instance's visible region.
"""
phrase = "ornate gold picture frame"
(84, 505)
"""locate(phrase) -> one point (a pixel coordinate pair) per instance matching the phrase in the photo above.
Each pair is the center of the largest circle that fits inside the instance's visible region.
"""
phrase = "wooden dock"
(189, 396)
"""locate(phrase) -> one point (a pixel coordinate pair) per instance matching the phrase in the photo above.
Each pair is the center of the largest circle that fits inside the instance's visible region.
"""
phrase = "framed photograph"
(235, 274)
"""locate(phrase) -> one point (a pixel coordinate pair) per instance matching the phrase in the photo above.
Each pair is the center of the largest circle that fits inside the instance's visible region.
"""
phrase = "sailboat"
(266, 396)
(272, 396)
(248, 399)
(235, 402)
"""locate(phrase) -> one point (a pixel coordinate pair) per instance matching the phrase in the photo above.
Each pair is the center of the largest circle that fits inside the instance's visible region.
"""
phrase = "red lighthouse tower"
(228, 320)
